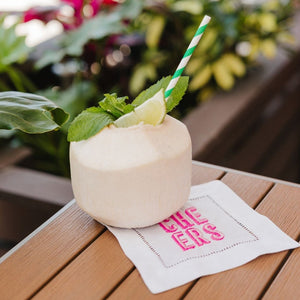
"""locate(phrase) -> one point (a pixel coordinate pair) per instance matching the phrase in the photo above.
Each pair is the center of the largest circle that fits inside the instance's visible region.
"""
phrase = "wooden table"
(72, 256)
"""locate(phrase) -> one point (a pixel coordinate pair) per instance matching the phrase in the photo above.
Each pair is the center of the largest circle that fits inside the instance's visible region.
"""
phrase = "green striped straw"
(187, 55)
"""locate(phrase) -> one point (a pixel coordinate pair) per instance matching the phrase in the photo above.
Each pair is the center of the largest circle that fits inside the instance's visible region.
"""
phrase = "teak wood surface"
(72, 256)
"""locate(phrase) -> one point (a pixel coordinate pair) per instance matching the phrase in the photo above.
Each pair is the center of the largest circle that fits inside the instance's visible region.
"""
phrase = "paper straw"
(187, 55)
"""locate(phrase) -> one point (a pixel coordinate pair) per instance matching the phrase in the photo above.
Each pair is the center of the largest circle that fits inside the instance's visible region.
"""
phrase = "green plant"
(24, 113)
(51, 149)
(12, 50)
(237, 34)
(103, 25)
(127, 47)
(29, 113)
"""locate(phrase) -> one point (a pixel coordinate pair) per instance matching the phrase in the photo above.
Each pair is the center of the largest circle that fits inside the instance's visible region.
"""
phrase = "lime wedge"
(152, 111)
(127, 120)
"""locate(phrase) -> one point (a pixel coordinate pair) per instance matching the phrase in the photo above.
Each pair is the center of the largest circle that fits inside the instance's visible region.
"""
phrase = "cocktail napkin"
(214, 231)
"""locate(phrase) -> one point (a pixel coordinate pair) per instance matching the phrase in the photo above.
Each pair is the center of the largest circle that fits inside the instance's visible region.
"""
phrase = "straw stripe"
(189, 51)
(183, 63)
(201, 28)
(178, 72)
(194, 42)
(187, 55)
(171, 87)
(168, 93)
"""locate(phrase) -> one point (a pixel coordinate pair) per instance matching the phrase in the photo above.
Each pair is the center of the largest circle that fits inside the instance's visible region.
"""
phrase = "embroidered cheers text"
(190, 229)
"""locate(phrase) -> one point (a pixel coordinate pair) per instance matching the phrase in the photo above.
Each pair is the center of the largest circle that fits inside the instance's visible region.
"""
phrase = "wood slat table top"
(72, 256)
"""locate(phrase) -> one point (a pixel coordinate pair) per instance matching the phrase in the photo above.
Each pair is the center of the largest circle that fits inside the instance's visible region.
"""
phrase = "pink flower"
(48, 13)
(78, 6)
(110, 2)
(96, 5)
(43, 13)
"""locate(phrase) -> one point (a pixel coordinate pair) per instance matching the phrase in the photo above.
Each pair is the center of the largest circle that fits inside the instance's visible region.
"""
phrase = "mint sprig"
(177, 93)
(115, 105)
(174, 98)
(88, 123)
(92, 120)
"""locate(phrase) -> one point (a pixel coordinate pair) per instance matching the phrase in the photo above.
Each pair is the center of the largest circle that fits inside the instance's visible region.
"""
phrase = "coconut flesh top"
(121, 148)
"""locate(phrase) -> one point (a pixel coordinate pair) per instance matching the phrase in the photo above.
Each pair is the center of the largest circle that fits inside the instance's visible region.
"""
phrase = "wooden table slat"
(90, 281)
(37, 260)
(282, 206)
(201, 174)
(243, 185)
(287, 282)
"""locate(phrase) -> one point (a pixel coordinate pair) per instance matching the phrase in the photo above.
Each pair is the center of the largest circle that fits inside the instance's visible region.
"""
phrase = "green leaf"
(102, 25)
(223, 75)
(138, 80)
(96, 28)
(151, 91)
(73, 100)
(12, 47)
(15, 78)
(30, 113)
(141, 73)
(190, 6)
(154, 31)
(114, 105)
(177, 93)
(12, 50)
(201, 78)
(6, 134)
(174, 98)
(50, 57)
(88, 123)
(128, 108)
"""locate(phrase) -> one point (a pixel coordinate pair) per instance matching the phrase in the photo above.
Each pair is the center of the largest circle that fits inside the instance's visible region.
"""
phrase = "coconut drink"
(131, 162)
(133, 173)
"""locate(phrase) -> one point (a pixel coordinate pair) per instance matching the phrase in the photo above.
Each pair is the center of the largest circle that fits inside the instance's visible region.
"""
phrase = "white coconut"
(135, 176)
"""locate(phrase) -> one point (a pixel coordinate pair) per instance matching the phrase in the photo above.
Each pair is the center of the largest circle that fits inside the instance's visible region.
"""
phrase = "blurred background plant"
(13, 51)
(124, 46)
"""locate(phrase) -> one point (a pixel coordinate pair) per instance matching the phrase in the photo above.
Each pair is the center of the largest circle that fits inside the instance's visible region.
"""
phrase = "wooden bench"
(27, 197)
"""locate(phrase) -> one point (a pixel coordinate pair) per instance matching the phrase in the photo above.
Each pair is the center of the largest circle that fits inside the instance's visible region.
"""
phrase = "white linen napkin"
(214, 231)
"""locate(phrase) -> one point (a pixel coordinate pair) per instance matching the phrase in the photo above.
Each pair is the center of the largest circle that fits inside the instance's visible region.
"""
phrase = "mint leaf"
(114, 105)
(174, 98)
(128, 108)
(151, 91)
(88, 123)
(94, 109)
(177, 93)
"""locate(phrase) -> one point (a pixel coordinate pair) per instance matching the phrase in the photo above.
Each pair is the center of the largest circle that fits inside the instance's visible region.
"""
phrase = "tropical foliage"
(12, 51)
(125, 46)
